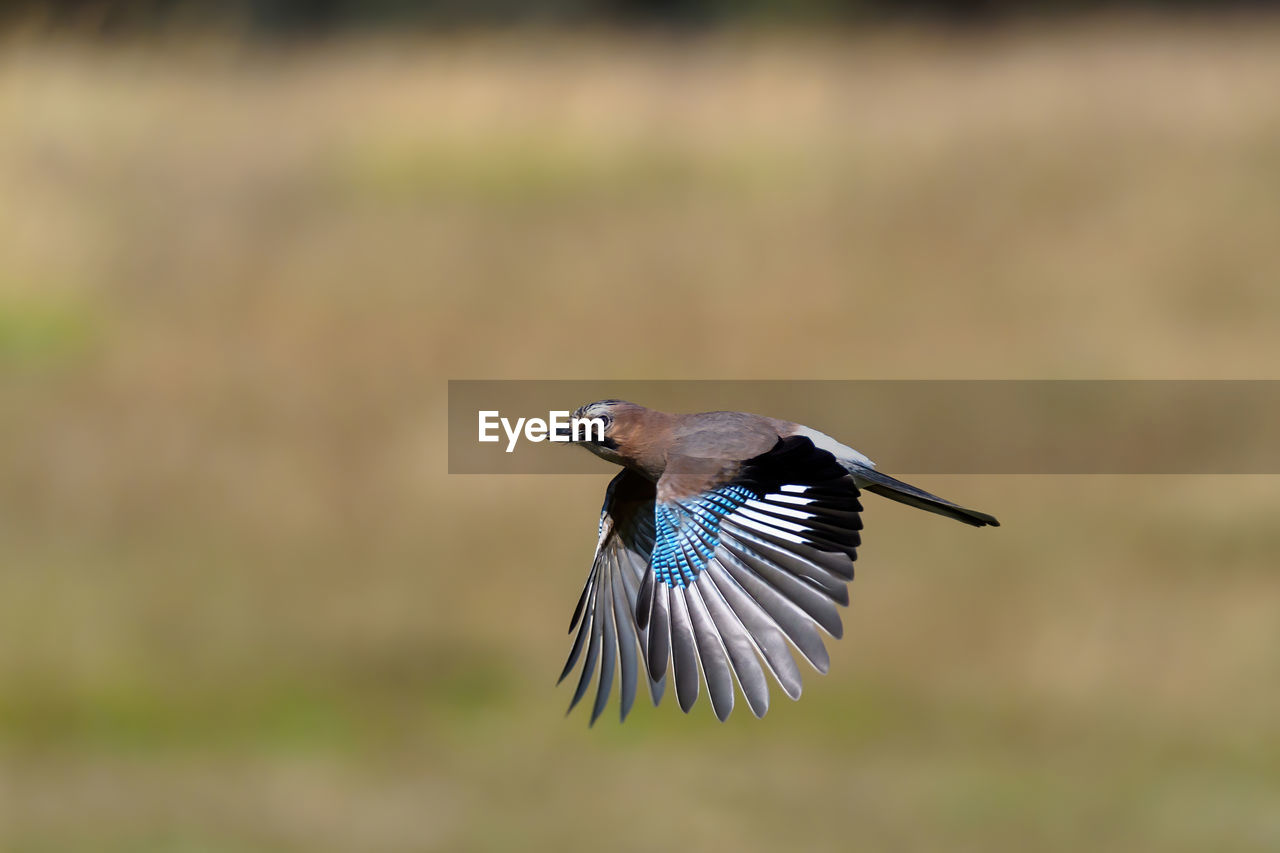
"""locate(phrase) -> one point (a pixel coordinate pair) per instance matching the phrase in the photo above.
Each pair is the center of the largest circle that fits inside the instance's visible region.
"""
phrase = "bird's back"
(726, 435)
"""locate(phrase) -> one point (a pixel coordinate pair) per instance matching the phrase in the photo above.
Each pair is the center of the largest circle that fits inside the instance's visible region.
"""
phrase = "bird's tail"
(896, 490)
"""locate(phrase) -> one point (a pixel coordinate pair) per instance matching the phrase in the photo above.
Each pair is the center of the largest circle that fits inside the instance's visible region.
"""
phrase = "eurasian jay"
(724, 536)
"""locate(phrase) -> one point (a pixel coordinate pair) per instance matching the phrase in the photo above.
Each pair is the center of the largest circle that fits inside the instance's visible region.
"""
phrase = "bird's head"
(603, 427)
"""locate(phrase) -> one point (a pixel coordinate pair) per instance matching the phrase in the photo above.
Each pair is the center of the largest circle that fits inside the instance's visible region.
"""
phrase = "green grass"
(43, 331)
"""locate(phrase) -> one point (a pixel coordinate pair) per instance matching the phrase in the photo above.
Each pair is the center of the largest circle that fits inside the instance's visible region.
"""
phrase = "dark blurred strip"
(291, 17)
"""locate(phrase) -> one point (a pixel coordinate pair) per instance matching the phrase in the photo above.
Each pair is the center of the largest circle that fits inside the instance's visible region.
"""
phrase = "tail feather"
(896, 490)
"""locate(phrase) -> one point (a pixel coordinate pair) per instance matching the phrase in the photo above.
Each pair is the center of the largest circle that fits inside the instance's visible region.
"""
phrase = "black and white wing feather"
(742, 572)
(605, 616)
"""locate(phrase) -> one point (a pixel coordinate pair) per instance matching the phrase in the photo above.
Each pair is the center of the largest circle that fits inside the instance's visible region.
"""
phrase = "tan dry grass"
(242, 606)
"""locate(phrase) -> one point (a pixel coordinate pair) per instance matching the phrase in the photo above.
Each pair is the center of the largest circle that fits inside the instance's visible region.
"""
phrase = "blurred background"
(242, 248)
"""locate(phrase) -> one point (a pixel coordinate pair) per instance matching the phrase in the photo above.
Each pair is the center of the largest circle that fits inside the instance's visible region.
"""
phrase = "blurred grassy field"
(244, 607)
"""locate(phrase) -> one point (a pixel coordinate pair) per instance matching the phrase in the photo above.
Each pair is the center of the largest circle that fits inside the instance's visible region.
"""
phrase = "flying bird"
(726, 538)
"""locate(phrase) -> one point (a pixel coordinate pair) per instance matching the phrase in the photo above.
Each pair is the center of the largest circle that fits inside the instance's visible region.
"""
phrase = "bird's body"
(726, 536)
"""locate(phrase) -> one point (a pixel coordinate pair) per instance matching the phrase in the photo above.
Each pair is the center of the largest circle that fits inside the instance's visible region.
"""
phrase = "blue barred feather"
(688, 531)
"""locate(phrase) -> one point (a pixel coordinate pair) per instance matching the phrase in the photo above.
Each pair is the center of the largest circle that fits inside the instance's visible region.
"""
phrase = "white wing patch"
(781, 510)
(843, 453)
(788, 499)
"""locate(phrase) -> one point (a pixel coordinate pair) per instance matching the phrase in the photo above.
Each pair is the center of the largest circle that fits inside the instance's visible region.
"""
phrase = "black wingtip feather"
(644, 601)
(582, 603)
(659, 633)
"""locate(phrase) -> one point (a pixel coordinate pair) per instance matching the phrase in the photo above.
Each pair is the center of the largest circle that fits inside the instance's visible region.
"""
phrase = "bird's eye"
(608, 422)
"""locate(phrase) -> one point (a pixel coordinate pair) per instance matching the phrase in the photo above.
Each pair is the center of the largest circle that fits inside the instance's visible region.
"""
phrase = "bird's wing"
(605, 616)
(747, 556)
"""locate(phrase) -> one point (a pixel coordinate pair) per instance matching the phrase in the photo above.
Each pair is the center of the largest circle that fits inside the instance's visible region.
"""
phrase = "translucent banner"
(908, 426)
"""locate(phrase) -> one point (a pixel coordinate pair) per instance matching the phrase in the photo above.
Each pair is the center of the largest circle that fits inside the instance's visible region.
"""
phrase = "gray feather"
(715, 668)
(582, 600)
(659, 632)
(644, 601)
(807, 597)
(740, 648)
(593, 651)
(657, 687)
(639, 570)
(584, 631)
(608, 647)
(763, 631)
(791, 619)
(625, 624)
(684, 654)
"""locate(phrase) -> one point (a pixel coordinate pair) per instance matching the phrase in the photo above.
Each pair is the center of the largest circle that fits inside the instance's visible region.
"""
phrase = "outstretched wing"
(742, 564)
(605, 616)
